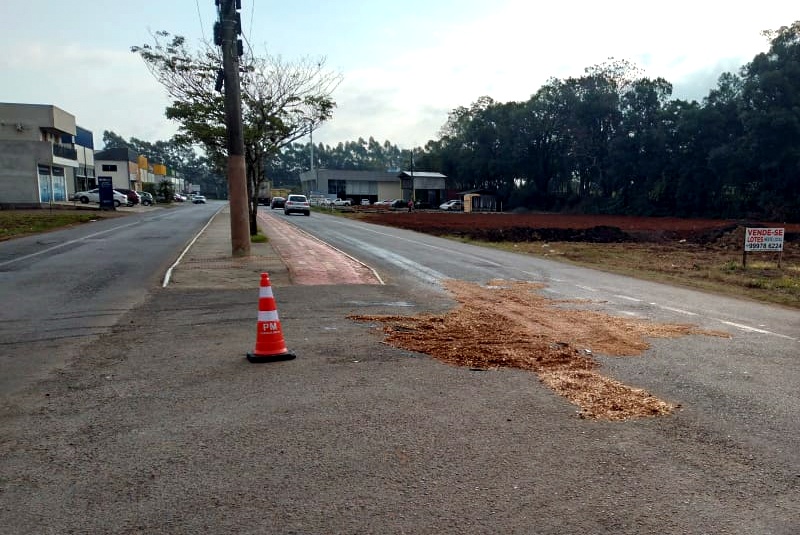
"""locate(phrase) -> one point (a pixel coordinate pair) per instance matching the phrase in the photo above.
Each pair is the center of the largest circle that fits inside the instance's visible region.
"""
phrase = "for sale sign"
(763, 239)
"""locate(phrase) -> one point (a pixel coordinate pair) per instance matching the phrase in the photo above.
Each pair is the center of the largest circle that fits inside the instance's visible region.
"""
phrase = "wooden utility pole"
(230, 27)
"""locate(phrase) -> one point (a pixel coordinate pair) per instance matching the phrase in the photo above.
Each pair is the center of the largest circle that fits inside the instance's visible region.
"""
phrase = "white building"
(37, 154)
(119, 164)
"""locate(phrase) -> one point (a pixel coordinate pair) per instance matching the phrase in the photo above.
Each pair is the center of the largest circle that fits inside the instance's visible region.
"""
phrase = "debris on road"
(510, 324)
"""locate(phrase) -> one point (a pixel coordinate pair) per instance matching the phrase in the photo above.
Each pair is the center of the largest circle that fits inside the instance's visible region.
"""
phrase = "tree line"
(609, 141)
(613, 141)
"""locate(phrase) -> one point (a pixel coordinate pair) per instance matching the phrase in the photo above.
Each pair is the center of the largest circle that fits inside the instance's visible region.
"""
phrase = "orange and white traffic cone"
(269, 337)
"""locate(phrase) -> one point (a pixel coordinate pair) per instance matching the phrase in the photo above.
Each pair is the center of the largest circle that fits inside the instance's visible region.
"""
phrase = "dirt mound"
(510, 324)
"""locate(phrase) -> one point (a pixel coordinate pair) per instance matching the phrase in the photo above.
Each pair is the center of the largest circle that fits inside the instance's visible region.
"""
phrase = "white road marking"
(677, 310)
(628, 298)
(747, 328)
(587, 288)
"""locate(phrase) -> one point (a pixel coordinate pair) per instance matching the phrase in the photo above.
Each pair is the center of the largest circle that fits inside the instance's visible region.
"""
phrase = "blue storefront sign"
(106, 193)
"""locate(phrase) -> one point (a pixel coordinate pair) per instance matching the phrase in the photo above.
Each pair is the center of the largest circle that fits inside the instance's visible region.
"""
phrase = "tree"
(176, 156)
(281, 101)
(770, 115)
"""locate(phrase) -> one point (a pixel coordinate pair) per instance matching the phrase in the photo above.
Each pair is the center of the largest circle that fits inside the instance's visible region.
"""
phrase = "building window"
(109, 167)
(337, 187)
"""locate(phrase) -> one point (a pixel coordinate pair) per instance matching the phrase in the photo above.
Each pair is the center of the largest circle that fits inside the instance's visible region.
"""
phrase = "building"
(83, 176)
(374, 185)
(425, 188)
(356, 185)
(121, 165)
(37, 154)
(480, 200)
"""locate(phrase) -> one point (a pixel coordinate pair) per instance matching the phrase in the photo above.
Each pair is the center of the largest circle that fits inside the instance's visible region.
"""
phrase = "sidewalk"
(291, 257)
(208, 262)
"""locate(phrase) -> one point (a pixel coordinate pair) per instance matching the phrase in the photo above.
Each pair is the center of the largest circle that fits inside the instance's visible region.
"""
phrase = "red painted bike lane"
(311, 261)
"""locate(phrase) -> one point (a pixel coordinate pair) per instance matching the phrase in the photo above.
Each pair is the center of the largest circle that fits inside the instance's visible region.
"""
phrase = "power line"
(202, 29)
(252, 10)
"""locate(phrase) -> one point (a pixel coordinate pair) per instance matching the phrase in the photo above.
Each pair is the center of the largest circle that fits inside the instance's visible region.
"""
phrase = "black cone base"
(270, 358)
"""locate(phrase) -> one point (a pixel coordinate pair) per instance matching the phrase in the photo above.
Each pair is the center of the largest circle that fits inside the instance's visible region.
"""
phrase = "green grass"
(259, 238)
(15, 223)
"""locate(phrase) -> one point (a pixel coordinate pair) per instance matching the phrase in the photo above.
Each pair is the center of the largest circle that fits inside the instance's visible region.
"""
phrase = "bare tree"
(281, 101)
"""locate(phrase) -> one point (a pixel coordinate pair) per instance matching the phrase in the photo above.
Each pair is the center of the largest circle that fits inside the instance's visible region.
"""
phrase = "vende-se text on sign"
(763, 239)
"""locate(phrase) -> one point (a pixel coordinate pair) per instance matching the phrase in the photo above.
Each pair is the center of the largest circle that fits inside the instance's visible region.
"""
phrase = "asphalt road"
(424, 261)
(64, 288)
(160, 425)
(743, 387)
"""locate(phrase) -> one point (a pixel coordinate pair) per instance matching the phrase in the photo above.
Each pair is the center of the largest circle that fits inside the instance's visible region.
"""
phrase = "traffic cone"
(269, 337)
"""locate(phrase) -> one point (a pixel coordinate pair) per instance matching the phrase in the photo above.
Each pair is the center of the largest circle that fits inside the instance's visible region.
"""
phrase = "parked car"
(365, 202)
(452, 205)
(178, 197)
(342, 202)
(297, 203)
(93, 195)
(133, 196)
(277, 202)
(147, 198)
(199, 199)
(398, 203)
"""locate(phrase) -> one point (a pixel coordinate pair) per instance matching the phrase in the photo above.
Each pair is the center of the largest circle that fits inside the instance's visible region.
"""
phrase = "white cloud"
(405, 66)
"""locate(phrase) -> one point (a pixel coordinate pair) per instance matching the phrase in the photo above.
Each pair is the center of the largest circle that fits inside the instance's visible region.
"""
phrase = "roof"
(119, 154)
(421, 174)
(339, 174)
(479, 191)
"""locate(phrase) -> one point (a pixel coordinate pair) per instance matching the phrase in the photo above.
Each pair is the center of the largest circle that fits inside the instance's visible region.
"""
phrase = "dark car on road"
(147, 198)
(277, 202)
(133, 196)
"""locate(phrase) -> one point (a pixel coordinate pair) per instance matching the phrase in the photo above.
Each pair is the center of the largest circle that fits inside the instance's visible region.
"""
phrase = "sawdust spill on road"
(510, 324)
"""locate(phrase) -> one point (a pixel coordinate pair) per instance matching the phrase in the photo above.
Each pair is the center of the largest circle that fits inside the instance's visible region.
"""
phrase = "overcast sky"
(405, 65)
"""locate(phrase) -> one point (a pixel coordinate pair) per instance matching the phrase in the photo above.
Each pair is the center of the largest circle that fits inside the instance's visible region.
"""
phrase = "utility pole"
(412, 175)
(226, 36)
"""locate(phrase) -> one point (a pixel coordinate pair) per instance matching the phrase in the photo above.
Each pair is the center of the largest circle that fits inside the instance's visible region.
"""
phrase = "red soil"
(562, 227)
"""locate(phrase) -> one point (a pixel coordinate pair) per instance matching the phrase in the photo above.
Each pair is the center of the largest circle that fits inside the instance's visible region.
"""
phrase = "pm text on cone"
(270, 345)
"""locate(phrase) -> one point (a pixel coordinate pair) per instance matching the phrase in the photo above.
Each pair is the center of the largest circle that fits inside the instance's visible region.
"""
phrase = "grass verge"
(17, 223)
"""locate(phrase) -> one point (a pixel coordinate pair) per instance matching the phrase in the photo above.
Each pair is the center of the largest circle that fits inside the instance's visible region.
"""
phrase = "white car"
(297, 203)
(93, 195)
(452, 206)
(342, 202)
